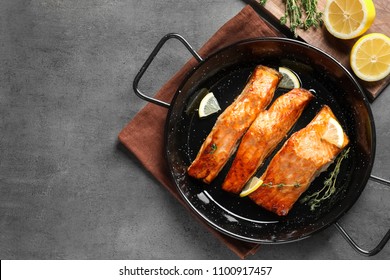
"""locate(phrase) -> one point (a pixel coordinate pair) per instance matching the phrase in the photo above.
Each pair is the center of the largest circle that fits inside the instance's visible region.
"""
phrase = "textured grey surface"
(67, 189)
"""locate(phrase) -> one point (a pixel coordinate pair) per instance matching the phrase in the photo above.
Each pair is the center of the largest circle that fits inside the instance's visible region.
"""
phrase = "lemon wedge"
(253, 184)
(370, 57)
(290, 79)
(208, 105)
(194, 101)
(347, 19)
(334, 133)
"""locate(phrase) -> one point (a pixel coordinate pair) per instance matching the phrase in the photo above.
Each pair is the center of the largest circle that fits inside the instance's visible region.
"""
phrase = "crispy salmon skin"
(301, 159)
(222, 141)
(262, 137)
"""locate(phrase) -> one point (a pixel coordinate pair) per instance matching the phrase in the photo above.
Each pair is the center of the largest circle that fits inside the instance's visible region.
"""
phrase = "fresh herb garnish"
(213, 148)
(314, 200)
(293, 14)
(300, 14)
(313, 16)
(280, 185)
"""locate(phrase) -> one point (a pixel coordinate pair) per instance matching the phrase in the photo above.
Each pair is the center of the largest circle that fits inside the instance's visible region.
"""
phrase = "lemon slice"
(194, 101)
(209, 105)
(347, 19)
(370, 57)
(253, 184)
(290, 80)
(334, 133)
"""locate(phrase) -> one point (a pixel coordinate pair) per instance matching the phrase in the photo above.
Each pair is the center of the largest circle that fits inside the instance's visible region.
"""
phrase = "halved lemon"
(334, 133)
(370, 57)
(253, 184)
(290, 79)
(347, 19)
(209, 105)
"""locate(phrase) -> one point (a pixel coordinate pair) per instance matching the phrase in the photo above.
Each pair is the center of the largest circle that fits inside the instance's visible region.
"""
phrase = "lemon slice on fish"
(290, 79)
(334, 133)
(209, 105)
(253, 184)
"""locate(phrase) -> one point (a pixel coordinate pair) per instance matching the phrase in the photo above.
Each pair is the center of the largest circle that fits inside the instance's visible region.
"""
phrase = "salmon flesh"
(222, 141)
(301, 159)
(262, 137)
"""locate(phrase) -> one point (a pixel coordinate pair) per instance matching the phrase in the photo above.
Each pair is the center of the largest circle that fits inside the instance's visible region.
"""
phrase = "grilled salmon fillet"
(222, 141)
(262, 137)
(301, 159)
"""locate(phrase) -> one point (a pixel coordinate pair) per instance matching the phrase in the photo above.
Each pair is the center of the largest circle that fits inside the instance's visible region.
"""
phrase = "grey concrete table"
(67, 188)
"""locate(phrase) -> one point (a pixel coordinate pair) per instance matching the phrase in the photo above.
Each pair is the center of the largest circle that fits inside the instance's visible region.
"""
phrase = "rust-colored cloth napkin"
(144, 135)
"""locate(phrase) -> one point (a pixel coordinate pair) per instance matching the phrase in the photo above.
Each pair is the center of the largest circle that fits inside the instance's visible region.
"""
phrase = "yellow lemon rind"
(291, 75)
(204, 102)
(354, 56)
(369, 14)
(250, 187)
(339, 140)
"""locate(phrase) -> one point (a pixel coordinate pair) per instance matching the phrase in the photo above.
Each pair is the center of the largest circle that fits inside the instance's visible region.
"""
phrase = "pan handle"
(149, 60)
(351, 242)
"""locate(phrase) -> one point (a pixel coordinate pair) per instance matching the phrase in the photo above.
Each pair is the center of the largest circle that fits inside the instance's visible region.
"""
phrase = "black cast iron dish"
(225, 73)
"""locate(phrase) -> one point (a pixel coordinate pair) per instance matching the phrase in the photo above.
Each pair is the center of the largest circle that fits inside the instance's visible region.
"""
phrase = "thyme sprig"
(293, 14)
(313, 16)
(314, 200)
(302, 14)
(280, 185)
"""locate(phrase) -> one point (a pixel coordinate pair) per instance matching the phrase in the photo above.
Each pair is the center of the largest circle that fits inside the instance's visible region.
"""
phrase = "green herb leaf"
(301, 14)
(313, 16)
(213, 148)
(280, 185)
(314, 200)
